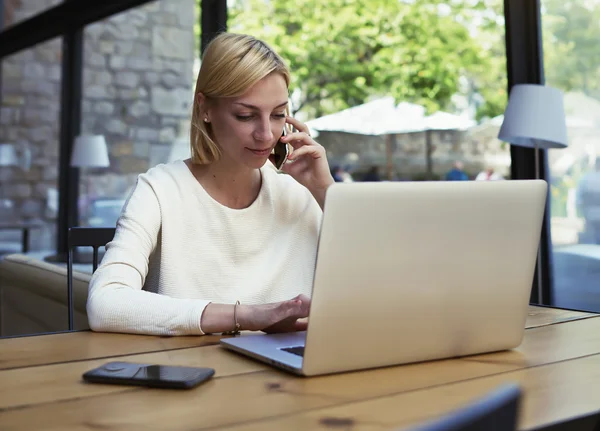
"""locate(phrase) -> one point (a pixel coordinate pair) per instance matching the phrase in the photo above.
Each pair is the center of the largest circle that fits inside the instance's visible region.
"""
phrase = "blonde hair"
(231, 65)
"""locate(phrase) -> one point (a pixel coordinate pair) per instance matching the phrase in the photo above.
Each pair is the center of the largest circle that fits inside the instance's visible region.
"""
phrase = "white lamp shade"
(90, 151)
(534, 116)
(8, 155)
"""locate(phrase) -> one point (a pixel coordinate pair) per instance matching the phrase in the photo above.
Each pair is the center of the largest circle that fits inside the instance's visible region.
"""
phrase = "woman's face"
(248, 127)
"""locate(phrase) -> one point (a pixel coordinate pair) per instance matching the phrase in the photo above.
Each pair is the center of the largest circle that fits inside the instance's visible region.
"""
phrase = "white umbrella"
(375, 118)
(384, 117)
(445, 121)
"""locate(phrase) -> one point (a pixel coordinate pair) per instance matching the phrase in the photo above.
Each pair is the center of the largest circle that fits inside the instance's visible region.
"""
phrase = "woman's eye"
(244, 117)
(279, 115)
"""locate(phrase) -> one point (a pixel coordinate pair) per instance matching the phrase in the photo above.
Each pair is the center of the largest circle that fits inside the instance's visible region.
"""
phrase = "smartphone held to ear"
(280, 152)
(154, 376)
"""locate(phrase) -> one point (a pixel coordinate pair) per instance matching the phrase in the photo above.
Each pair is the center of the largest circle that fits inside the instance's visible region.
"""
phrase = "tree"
(571, 30)
(486, 79)
(342, 52)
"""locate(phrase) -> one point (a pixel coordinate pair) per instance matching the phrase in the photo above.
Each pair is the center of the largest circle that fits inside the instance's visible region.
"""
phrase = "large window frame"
(525, 65)
(524, 55)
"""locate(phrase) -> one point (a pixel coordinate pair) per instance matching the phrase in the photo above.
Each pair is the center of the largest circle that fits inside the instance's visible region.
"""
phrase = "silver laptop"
(414, 271)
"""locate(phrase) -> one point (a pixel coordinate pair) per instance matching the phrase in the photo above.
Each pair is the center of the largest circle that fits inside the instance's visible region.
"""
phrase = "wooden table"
(558, 366)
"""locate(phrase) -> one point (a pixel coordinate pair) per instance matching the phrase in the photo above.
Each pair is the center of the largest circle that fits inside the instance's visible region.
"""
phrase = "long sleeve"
(116, 301)
(176, 250)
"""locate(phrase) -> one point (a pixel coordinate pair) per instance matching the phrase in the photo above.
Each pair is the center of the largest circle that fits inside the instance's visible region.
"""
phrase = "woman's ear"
(201, 98)
(203, 108)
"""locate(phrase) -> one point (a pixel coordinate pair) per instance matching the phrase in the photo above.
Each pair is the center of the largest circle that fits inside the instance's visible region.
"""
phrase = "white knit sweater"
(176, 250)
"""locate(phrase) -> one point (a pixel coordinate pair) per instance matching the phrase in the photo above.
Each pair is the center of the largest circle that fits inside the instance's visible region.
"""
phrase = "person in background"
(337, 172)
(220, 242)
(488, 175)
(457, 173)
(341, 175)
(372, 174)
(346, 175)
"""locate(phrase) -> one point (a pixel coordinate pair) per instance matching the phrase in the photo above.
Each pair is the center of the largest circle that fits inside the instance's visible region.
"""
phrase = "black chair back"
(94, 237)
(497, 411)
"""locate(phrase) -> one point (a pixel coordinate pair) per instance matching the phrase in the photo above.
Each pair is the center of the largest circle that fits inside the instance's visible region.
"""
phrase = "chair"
(497, 411)
(94, 237)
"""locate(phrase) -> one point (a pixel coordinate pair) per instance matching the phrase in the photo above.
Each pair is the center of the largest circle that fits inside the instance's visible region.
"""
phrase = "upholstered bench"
(33, 296)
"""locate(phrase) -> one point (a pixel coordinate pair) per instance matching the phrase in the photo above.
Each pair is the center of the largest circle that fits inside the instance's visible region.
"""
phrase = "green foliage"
(570, 33)
(342, 52)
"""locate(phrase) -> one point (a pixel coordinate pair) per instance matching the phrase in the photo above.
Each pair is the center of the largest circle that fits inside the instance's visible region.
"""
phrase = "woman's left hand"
(307, 163)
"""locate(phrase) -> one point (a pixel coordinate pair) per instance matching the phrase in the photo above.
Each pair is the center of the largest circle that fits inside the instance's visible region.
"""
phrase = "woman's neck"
(230, 186)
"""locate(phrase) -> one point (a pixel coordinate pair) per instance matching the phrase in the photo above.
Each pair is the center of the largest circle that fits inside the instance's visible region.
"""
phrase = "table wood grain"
(553, 393)
(47, 392)
(542, 316)
(76, 346)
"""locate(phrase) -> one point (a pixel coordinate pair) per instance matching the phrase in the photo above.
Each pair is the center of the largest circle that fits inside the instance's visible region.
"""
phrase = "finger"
(301, 325)
(297, 139)
(304, 298)
(298, 309)
(291, 308)
(306, 301)
(311, 150)
(300, 126)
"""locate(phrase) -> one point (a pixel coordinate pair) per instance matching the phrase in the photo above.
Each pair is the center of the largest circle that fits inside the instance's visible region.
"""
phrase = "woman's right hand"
(284, 316)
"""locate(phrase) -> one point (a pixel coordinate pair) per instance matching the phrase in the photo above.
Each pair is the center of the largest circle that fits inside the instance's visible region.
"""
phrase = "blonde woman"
(220, 242)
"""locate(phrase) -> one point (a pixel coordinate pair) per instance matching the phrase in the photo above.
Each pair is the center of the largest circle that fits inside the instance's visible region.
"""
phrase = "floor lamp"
(535, 118)
(89, 151)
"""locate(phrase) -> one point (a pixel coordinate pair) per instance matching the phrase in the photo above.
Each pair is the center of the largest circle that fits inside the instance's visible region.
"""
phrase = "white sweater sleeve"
(116, 301)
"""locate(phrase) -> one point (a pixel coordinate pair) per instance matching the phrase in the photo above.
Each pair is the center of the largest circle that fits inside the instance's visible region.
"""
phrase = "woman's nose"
(264, 131)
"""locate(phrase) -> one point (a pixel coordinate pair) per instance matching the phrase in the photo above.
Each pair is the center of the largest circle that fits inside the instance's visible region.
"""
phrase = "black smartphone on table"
(151, 375)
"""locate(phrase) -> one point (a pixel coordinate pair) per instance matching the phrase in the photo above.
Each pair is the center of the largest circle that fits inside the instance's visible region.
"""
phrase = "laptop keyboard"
(298, 350)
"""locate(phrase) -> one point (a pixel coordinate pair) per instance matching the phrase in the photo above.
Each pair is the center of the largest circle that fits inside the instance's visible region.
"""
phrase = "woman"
(220, 242)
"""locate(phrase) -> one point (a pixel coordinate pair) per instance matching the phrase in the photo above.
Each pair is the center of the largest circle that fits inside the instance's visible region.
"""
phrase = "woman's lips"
(264, 152)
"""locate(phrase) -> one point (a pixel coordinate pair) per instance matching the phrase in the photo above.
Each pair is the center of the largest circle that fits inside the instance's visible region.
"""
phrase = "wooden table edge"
(567, 320)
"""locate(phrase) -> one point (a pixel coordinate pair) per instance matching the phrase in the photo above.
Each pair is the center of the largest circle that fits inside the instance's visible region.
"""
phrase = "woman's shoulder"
(165, 181)
(159, 183)
(166, 176)
(175, 169)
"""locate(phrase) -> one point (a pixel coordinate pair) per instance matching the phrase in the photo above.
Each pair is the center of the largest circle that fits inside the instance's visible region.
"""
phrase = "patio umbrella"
(380, 117)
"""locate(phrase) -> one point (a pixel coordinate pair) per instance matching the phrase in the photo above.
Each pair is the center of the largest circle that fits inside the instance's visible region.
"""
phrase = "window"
(572, 63)
(16, 11)
(29, 145)
(400, 90)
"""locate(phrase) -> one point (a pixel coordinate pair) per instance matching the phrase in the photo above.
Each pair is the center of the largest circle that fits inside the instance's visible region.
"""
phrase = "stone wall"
(29, 116)
(138, 87)
(138, 90)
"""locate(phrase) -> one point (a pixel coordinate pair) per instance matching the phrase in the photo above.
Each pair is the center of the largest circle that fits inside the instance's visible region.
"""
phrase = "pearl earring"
(206, 119)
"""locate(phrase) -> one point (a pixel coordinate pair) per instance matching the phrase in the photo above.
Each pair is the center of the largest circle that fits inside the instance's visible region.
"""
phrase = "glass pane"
(139, 73)
(426, 82)
(29, 147)
(16, 11)
(572, 63)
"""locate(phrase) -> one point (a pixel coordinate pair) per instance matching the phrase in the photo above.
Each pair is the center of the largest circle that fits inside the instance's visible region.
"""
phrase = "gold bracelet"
(237, 327)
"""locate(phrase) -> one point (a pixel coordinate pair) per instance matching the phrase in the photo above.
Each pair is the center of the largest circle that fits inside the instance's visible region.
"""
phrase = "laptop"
(414, 271)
